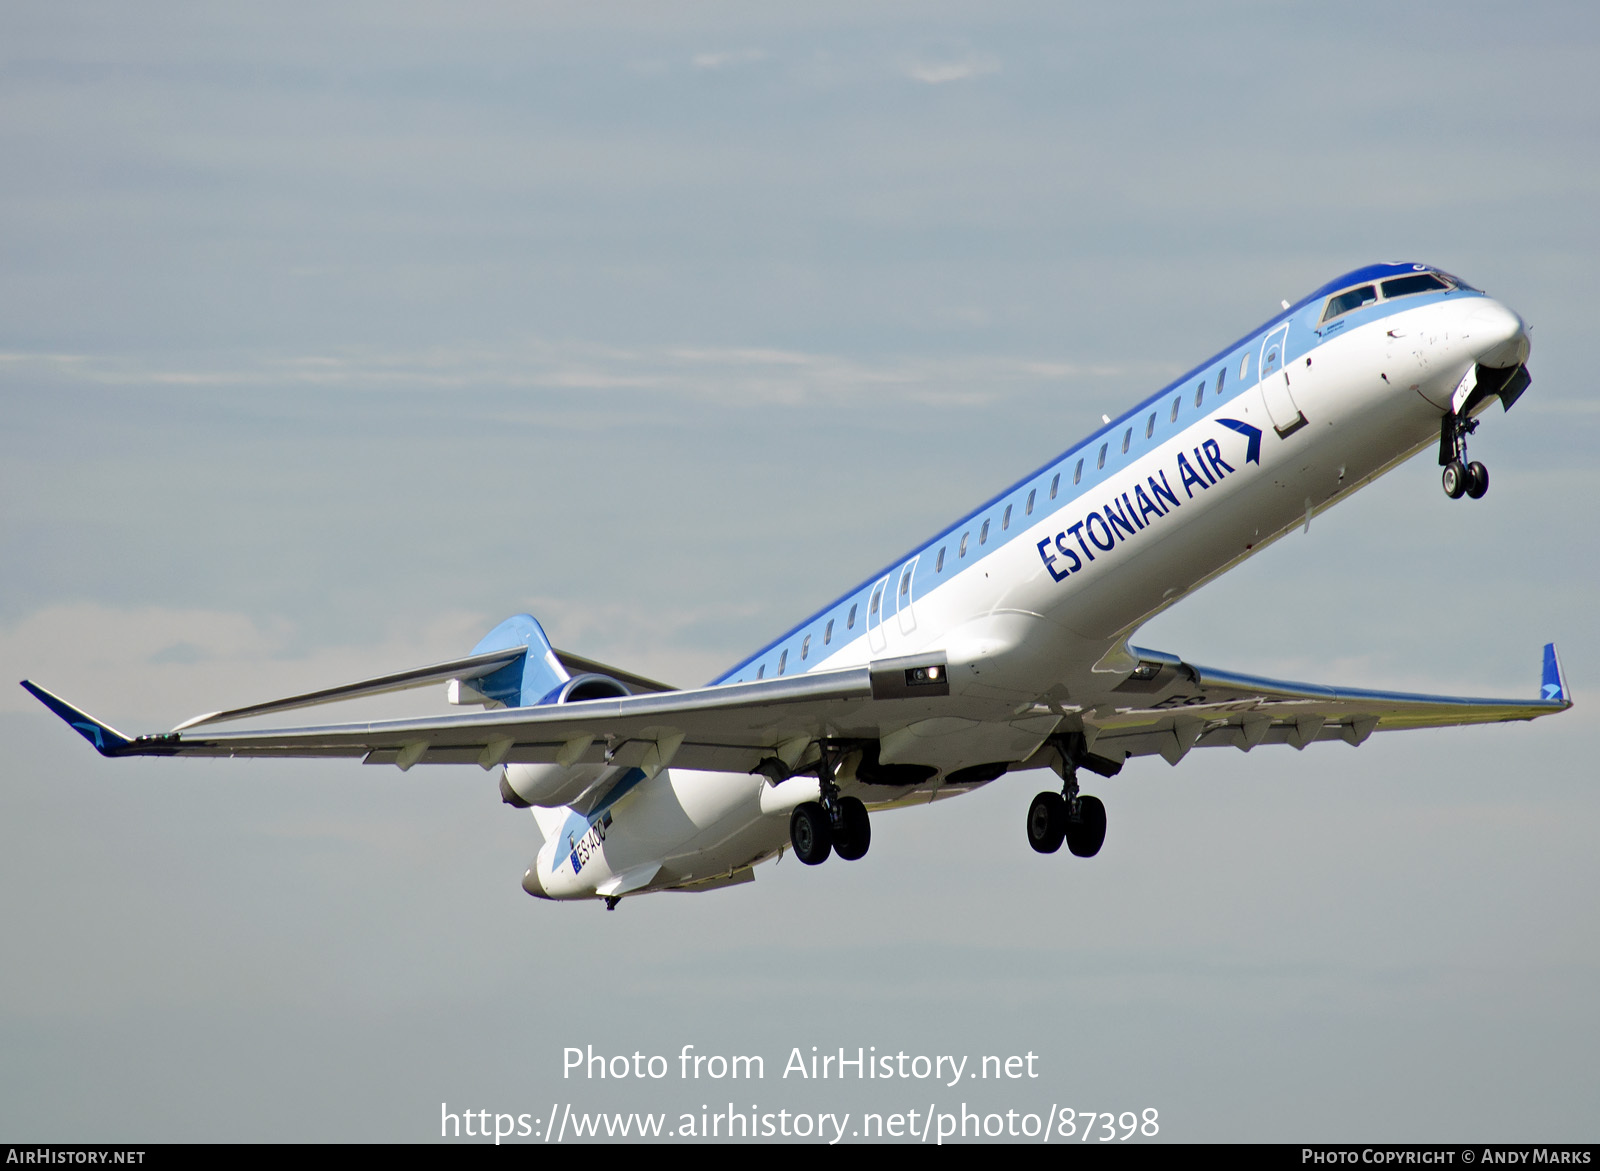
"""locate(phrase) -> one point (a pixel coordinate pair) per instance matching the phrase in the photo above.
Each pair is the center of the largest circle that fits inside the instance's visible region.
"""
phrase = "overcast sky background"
(330, 337)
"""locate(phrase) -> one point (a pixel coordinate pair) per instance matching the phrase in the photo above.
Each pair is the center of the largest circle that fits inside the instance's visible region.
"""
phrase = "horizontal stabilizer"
(632, 880)
(472, 667)
(748, 874)
(578, 665)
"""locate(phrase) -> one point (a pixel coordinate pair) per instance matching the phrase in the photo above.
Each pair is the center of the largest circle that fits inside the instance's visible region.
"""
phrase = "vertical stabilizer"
(533, 678)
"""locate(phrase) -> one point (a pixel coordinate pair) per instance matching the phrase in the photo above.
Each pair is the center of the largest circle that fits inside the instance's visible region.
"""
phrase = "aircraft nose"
(1498, 334)
(531, 883)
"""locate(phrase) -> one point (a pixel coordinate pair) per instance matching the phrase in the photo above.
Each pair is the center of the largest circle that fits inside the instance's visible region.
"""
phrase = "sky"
(329, 337)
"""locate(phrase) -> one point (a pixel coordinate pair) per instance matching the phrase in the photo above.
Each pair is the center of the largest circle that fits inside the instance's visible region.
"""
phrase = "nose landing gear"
(1460, 477)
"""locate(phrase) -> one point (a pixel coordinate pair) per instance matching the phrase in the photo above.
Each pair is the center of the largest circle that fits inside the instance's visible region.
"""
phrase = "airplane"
(999, 645)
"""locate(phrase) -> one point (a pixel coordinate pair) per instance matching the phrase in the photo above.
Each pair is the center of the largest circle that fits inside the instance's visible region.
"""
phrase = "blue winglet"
(1552, 686)
(106, 739)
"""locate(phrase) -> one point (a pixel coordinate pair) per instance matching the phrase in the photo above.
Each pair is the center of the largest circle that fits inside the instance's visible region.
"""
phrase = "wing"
(1168, 707)
(1165, 707)
(731, 728)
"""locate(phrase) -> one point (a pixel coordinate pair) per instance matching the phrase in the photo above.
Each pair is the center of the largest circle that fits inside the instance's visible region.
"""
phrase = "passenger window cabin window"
(983, 533)
(939, 565)
(850, 622)
(1244, 367)
(1029, 510)
(805, 648)
(1200, 393)
(1342, 303)
(1222, 376)
(962, 552)
(1005, 519)
(1175, 403)
(1127, 438)
(827, 633)
(761, 671)
(1056, 483)
(1150, 423)
(1102, 461)
(905, 584)
(783, 660)
(877, 596)
(1077, 472)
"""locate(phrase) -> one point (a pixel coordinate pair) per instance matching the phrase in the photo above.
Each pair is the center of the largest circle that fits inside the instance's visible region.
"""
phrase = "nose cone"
(531, 883)
(1498, 335)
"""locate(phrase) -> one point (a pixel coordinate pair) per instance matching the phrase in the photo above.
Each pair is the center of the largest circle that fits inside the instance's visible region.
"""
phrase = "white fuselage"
(1041, 605)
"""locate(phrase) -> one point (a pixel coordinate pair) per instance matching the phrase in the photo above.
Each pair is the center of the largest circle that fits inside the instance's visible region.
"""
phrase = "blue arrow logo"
(92, 730)
(1253, 455)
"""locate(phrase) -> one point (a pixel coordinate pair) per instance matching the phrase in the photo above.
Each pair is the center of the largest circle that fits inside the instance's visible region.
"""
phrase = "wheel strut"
(1067, 770)
(827, 770)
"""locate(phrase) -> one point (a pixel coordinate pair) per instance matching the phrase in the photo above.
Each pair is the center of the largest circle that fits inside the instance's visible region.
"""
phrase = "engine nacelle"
(524, 785)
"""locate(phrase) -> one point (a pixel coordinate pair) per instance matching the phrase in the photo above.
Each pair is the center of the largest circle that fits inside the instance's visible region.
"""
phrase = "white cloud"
(730, 57)
(943, 72)
(739, 375)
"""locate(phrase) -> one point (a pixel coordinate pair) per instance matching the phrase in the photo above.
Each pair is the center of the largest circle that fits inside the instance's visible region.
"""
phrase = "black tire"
(810, 834)
(1086, 835)
(1455, 480)
(1047, 822)
(1477, 480)
(854, 836)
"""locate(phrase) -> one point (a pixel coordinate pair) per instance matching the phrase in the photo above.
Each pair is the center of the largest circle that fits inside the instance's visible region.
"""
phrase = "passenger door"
(905, 592)
(1286, 415)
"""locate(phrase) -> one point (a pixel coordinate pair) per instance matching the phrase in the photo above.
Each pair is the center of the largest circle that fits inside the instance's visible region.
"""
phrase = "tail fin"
(1552, 684)
(533, 678)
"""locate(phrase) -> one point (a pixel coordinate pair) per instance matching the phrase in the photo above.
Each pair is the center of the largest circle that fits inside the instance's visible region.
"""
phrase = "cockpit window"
(1458, 283)
(1422, 282)
(1351, 299)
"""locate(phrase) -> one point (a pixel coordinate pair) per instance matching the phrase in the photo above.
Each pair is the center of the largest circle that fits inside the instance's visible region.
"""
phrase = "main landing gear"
(1069, 816)
(1460, 478)
(835, 824)
(1053, 819)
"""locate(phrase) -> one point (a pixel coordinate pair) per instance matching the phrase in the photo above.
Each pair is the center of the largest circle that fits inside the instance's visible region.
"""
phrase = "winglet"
(106, 739)
(1552, 683)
